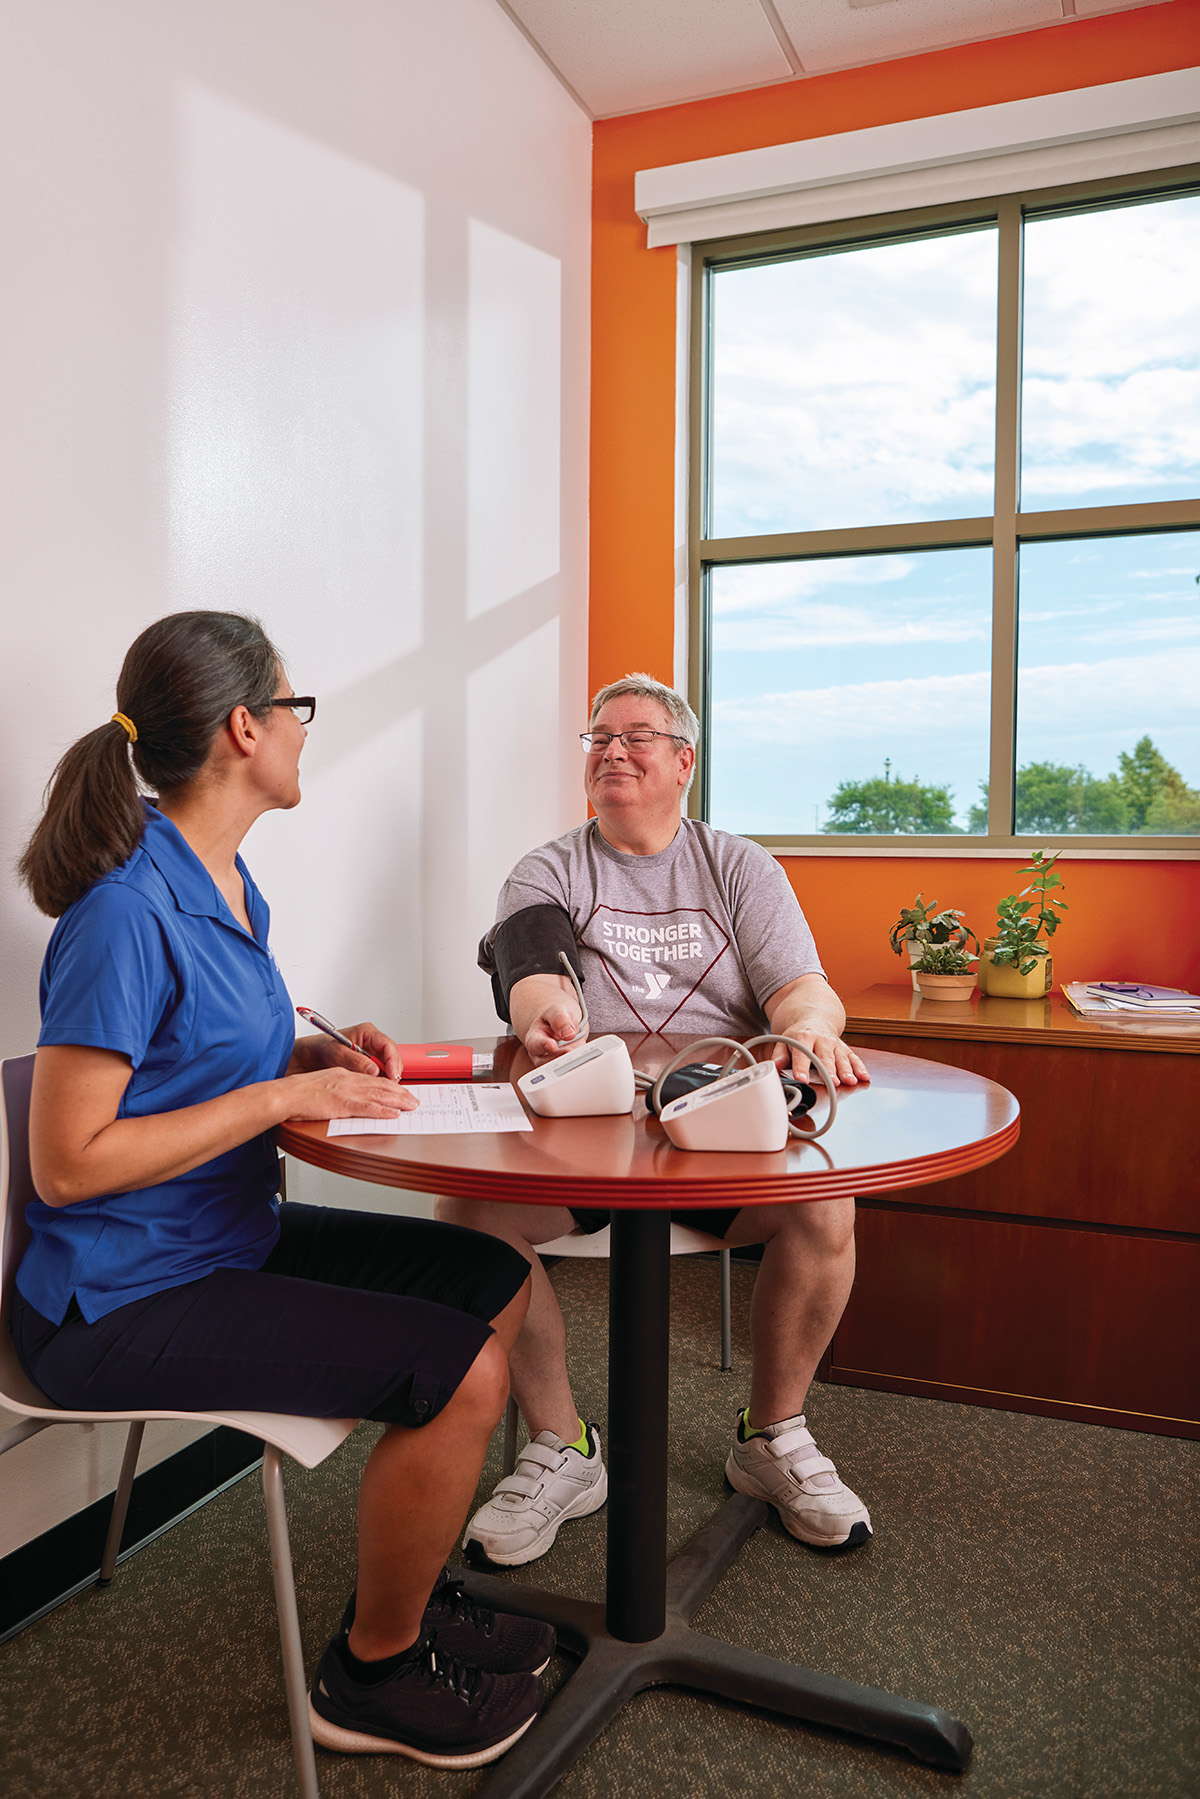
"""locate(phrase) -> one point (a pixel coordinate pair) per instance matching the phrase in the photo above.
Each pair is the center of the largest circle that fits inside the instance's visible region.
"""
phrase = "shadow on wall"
(365, 430)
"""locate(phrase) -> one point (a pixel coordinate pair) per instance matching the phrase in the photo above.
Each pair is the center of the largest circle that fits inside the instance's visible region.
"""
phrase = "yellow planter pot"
(1005, 982)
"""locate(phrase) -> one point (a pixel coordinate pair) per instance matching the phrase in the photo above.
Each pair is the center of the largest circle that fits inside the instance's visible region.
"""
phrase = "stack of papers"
(450, 1110)
(1129, 999)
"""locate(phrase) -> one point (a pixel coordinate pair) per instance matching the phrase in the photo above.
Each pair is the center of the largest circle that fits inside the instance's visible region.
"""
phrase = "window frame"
(1002, 531)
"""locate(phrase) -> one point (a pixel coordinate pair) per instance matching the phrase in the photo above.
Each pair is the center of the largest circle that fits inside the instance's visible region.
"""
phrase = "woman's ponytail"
(92, 823)
(178, 685)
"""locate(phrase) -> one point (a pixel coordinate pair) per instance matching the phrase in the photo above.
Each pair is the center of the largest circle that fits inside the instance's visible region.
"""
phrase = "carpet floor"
(1034, 1577)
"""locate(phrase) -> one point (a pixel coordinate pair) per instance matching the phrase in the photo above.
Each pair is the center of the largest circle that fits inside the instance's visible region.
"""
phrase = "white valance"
(1123, 127)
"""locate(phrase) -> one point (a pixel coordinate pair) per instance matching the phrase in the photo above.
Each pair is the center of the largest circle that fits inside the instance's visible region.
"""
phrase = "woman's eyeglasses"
(305, 707)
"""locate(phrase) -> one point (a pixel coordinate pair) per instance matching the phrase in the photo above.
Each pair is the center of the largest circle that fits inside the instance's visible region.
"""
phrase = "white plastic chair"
(684, 1242)
(307, 1440)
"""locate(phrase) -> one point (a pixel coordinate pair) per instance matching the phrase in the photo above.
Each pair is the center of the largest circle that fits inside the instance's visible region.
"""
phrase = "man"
(674, 927)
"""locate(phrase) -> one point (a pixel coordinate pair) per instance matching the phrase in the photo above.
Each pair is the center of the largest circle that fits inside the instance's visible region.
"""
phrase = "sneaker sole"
(583, 1507)
(354, 1742)
(858, 1533)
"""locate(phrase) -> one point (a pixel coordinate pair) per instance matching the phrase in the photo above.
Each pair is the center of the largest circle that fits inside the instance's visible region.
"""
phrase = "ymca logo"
(654, 961)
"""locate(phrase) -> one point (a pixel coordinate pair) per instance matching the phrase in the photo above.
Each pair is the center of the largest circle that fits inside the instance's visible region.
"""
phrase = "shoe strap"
(526, 1486)
(540, 1456)
(798, 1446)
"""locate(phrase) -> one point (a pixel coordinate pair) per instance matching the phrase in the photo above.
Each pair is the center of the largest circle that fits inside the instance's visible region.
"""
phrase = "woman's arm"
(79, 1148)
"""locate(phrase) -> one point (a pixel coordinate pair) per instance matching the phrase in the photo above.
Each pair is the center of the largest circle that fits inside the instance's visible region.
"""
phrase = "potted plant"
(944, 972)
(920, 928)
(1015, 964)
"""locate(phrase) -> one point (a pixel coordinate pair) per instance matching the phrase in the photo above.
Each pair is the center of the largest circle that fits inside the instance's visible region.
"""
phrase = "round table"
(915, 1123)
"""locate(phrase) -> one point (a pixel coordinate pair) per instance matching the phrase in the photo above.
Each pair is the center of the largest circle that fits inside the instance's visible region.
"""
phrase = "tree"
(1159, 799)
(1174, 811)
(1055, 798)
(885, 806)
(1142, 774)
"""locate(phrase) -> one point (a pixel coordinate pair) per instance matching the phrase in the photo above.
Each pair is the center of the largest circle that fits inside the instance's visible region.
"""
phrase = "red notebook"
(437, 1061)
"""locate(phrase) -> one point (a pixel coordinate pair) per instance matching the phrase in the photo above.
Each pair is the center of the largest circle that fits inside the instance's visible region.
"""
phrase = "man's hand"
(845, 1067)
(545, 1014)
(810, 1011)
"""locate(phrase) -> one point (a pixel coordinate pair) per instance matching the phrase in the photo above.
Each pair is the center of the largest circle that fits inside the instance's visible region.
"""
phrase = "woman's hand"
(343, 1093)
(312, 1053)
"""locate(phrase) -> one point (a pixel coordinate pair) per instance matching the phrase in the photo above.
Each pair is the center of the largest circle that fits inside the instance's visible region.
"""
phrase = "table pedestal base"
(612, 1671)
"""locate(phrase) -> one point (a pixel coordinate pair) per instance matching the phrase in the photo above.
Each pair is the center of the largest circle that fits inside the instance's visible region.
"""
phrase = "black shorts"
(593, 1218)
(353, 1315)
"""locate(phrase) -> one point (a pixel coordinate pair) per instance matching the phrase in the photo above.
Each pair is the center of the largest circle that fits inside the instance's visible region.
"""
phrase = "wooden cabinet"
(1063, 1279)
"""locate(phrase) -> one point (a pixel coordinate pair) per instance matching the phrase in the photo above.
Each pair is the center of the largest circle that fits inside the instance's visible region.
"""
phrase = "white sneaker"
(550, 1483)
(784, 1466)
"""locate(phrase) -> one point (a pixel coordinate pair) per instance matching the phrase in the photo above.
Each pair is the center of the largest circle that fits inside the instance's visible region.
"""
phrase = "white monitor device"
(587, 1082)
(745, 1110)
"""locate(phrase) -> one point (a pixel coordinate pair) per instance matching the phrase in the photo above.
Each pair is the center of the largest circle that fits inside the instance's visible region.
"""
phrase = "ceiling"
(621, 56)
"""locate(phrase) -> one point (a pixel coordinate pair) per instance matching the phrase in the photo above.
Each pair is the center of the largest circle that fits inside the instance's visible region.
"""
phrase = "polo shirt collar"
(192, 887)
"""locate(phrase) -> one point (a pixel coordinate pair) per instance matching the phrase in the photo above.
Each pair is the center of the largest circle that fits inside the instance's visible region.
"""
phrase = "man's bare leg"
(801, 1291)
(799, 1296)
(538, 1358)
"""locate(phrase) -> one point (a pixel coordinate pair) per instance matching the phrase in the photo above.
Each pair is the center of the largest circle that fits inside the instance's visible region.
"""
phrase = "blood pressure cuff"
(527, 943)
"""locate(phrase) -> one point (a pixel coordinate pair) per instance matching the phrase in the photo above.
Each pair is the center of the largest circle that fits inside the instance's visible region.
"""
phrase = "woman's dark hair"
(178, 684)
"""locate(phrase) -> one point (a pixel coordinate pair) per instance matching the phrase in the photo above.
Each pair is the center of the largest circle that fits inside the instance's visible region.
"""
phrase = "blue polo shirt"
(152, 963)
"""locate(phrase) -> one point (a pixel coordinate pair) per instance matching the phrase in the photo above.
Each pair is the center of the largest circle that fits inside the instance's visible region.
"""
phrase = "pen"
(331, 1030)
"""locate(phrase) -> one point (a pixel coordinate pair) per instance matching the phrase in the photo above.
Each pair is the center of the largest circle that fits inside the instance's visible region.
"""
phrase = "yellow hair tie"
(127, 724)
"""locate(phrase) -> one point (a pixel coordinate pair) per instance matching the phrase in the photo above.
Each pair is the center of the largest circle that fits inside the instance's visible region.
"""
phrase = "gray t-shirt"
(692, 940)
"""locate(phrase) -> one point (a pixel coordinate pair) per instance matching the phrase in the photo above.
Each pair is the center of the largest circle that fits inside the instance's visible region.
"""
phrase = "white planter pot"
(953, 987)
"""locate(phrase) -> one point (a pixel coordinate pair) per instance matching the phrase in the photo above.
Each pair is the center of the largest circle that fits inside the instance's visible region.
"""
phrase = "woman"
(162, 1270)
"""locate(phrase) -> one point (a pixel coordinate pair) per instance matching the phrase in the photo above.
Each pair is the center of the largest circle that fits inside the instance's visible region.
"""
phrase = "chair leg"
(511, 1416)
(289, 1623)
(120, 1510)
(726, 1316)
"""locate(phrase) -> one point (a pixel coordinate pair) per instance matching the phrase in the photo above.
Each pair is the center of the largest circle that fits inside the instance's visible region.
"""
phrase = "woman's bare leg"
(414, 1495)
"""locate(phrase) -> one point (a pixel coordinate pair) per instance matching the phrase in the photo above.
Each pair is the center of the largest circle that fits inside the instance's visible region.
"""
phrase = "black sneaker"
(430, 1707)
(499, 1642)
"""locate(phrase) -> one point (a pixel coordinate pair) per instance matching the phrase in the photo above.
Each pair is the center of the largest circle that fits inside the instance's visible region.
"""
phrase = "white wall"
(294, 321)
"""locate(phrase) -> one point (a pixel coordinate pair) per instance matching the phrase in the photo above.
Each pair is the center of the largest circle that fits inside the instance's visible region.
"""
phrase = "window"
(946, 524)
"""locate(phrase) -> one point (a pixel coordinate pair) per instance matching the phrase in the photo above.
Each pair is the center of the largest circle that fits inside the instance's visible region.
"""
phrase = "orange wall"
(1140, 920)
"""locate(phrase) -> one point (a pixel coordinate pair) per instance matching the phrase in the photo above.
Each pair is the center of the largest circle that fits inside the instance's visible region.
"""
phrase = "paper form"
(449, 1109)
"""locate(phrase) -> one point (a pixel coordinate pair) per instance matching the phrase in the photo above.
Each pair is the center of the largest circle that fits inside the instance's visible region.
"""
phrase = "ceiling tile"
(626, 55)
(1089, 8)
(833, 34)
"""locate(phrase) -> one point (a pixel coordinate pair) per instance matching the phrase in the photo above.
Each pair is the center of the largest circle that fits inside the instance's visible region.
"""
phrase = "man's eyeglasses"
(633, 740)
(305, 707)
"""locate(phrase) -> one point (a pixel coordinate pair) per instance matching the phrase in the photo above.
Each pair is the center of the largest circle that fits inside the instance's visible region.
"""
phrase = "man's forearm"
(806, 1005)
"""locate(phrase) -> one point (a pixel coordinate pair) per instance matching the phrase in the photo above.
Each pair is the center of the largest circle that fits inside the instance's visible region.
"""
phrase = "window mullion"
(1001, 778)
(699, 450)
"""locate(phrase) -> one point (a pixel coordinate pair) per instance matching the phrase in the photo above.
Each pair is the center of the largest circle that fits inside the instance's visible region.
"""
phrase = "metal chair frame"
(307, 1440)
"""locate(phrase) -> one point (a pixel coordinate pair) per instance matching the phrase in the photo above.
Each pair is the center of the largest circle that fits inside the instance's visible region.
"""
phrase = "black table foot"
(612, 1671)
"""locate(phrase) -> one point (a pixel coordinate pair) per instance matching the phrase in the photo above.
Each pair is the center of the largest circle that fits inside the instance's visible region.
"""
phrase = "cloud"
(1132, 694)
(949, 701)
(830, 627)
(771, 586)
(1139, 693)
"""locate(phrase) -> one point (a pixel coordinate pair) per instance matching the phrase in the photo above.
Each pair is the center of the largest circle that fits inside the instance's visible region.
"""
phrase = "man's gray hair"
(645, 687)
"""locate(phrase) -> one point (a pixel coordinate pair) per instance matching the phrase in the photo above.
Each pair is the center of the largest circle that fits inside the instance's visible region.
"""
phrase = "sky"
(858, 388)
